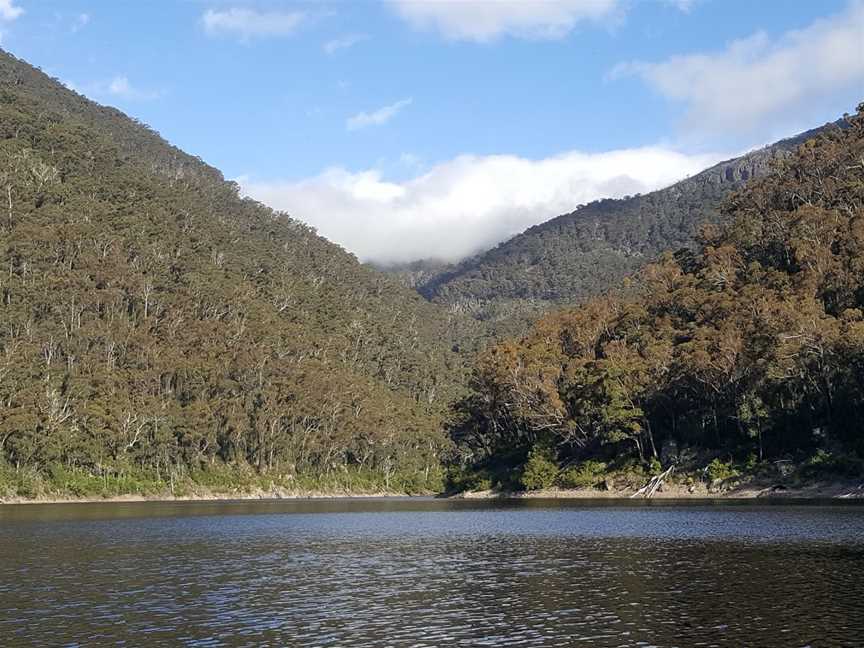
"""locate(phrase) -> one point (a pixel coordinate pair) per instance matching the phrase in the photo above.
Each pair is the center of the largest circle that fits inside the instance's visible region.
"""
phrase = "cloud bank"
(247, 24)
(486, 20)
(756, 80)
(466, 204)
(378, 117)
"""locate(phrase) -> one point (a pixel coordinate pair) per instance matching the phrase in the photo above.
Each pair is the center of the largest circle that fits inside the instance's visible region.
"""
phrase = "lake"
(425, 572)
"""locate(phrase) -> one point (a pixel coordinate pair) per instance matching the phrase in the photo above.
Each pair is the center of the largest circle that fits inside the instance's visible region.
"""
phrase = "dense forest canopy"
(156, 328)
(750, 347)
(155, 323)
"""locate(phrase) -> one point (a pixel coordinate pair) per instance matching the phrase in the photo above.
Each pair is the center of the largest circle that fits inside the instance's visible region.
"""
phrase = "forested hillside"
(155, 326)
(747, 350)
(157, 329)
(594, 247)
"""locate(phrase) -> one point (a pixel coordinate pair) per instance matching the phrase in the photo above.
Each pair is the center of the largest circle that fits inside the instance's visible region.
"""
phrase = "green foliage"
(585, 474)
(540, 470)
(751, 345)
(59, 481)
(26, 482)
(154, 323)
(460, 479)
(83, 484)
(820, 458)
(720, 470)
(824, 464)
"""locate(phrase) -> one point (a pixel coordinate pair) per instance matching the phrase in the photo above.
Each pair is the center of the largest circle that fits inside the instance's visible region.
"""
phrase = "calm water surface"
(431, 573)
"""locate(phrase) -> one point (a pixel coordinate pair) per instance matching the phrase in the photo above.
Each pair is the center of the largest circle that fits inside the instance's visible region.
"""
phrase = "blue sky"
(392, 125)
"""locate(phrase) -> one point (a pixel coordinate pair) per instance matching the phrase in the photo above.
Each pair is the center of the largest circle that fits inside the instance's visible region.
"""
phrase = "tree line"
(751, 347)
(154, 323)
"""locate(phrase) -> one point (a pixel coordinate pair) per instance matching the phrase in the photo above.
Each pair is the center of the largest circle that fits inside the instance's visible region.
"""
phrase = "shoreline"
(815, 491)
(272, 496)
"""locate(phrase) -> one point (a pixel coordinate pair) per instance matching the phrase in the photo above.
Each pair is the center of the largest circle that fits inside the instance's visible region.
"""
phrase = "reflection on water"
(431, 573)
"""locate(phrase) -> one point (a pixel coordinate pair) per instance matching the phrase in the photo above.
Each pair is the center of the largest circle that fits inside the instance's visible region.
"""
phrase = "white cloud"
(466, 204)
(333, 46)
(119, 87)
(377, 117)
(247, 24)
(80, 22)
(758, 80)
(9, 11)
(486, 20)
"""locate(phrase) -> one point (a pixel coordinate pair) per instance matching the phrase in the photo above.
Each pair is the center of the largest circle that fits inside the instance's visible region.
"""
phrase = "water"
(418, 573)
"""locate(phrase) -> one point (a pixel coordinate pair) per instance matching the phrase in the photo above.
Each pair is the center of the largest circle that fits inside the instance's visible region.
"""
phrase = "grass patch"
(59, 481)
(586, 474)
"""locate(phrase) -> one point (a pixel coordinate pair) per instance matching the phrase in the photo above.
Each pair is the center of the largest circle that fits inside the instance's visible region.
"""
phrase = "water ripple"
(437, 575)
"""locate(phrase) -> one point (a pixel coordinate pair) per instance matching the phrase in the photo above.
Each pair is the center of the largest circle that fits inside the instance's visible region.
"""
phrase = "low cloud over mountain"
(468, 203)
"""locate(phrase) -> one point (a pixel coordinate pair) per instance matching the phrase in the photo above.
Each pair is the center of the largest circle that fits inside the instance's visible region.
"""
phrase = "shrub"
(583, 475)
(540, 470)
(20, 483)
(829, 464)
(821, 458)
(460, 480)
(721, 470)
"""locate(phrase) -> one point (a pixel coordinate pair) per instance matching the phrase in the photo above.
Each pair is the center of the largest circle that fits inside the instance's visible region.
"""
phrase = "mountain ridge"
(592, 248)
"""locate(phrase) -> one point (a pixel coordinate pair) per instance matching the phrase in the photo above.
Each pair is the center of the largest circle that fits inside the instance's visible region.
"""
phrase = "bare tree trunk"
(651, 437)
(648, 490)
(9, 203)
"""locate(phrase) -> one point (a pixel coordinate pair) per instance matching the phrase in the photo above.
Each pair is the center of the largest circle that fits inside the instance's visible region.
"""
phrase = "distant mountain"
(594, 247)
(154, 323)
(416, 274)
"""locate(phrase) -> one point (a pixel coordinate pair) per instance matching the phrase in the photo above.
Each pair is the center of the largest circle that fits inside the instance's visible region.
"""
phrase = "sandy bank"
(276, 494)
(817, 490)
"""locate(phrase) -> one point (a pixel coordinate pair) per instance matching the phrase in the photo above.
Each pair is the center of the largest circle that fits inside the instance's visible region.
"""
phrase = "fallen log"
(648, 490)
